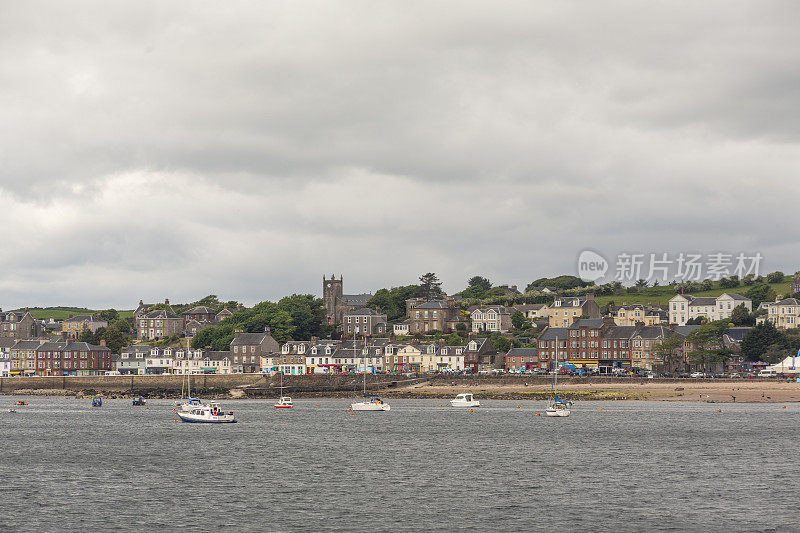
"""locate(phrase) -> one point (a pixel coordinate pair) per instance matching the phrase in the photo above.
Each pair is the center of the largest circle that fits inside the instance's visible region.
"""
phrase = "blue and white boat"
(97, 401)
(207, 414)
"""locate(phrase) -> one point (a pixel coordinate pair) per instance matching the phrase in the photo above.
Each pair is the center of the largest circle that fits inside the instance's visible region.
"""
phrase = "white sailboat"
(189, 403)
(558, 407)
(207, 414)
(369, 404)
(285, 402)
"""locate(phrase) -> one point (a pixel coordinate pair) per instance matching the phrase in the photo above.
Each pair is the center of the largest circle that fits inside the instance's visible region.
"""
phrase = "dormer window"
(285, 348)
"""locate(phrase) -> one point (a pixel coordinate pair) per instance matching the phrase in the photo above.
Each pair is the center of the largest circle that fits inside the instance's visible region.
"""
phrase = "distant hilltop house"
(783, 314)
(684, 307)
(73, 326)
(337, 304)
(632, 315)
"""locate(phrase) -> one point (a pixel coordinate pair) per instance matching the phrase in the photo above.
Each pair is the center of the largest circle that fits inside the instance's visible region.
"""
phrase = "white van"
(767, 373)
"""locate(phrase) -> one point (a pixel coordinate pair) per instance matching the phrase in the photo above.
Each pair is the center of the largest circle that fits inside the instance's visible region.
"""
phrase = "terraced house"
(491, 318)
(72, 358)
(364, 321)
(19, 324)
(567, 309)
(73, 326)
(23, 357)
(248, 348)
(159, 324)
(432, 315)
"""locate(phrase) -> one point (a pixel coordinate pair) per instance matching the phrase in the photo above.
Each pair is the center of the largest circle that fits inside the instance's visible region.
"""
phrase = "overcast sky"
(153, 150)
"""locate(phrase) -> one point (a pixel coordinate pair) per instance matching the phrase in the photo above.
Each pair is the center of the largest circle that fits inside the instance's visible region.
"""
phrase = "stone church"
(337, 304)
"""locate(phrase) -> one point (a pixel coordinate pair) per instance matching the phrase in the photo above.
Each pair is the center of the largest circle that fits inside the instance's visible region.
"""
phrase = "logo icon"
(591, 266)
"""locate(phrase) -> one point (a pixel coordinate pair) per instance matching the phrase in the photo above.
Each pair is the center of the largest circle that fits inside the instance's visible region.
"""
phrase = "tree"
(748, 280)
(461, 327)
(115, 339)
(393, 301)
(706, 285)
(709, 347)
(742, 317)
(762, 336)
(730, 282)
(641, 283)
(760, 293)
(560, 282)
(775, 353)
(480, 282)
(670, 350)
(430, 286)
(518, 320)
(109, 315)
(775, 277)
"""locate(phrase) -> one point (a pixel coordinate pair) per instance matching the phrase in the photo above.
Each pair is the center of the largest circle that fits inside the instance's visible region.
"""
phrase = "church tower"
(331, 295)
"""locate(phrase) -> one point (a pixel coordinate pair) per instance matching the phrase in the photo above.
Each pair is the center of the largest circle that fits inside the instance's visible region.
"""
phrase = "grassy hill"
(60, 313)
(662, 295)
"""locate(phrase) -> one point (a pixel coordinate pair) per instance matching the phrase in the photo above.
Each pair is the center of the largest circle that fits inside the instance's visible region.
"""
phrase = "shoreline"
(740, 391)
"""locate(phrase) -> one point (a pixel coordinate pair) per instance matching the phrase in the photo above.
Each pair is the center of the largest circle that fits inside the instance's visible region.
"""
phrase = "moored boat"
(207, 414)
(371, 404)
(465, 400)
(558, 407)
(97, 401)
(138, 400)
(284, 402)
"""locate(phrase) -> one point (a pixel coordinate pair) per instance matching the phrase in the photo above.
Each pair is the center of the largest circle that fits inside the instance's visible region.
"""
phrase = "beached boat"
(207, 414)
(558, 407)
(285, 402)
(138, 400)
(369, 404)
(465, 400)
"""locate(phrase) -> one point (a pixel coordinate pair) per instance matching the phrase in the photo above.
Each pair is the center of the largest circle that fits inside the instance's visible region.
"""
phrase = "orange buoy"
(537, 414)
(601, 408)
(719, 410)
(147, 408)
(784, 407)
(518, 407)
(352, 415)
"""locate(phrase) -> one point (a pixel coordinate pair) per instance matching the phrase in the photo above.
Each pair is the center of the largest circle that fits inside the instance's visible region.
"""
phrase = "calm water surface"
(611, 466)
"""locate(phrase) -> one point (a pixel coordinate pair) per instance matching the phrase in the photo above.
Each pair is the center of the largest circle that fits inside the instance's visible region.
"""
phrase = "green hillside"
(60, 313)
(662, 295)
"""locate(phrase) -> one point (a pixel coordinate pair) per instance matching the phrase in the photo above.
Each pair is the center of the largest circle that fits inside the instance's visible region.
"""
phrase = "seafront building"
(685, 307)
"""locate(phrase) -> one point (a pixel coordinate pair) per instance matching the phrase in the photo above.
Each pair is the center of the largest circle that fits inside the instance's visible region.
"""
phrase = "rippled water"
(621, 466)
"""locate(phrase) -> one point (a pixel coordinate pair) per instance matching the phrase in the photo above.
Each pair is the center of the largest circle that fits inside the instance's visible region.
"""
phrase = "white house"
(783, 314)
(684, 307)
(132, 360)
(450, 358)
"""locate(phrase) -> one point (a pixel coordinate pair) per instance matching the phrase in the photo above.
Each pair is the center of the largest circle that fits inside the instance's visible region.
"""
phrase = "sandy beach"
(673, 390)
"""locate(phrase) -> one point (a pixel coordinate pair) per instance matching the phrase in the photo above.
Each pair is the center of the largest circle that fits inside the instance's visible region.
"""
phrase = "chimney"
(589, 296)
(514, 287)
(266, 330)
(141, 302)
(314, 340)
(102, 342)
(166, 301)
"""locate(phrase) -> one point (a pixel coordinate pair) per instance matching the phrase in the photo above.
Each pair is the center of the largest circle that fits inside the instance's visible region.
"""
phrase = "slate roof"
(356, 300)
(529, 307)
(685, 330)
(25, 345)
(653, 332)
(435, 304)
(619, 332)
(522, 351)
(7, 342)
(200, 309)
(248, 339)
(84, 318)
(51, 346)
(161, 313)
(703, 301)
(550, 334)
(735, 296)
(364, 312)
(592, 323)
(85, 347)
(737, 334)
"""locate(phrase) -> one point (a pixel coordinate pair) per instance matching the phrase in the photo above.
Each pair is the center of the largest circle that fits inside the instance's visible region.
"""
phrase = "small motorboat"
(138, 400)
(97, 401)
(10, 410)
(284, 402)
(465, 400)
(20, 402)
(371, 404)
(207, 414)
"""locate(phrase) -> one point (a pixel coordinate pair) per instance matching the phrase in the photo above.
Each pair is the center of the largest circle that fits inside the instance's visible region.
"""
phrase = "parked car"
(650, 375)
(696, 375)
(736, 375)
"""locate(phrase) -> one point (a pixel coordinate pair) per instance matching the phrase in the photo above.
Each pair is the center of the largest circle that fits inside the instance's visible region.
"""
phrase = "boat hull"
(474, 403)
(369, 407)
(558, 413)
(277, 406)
(194, 419)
